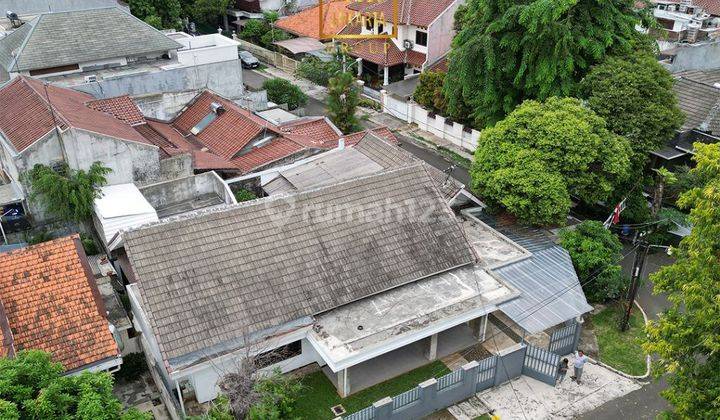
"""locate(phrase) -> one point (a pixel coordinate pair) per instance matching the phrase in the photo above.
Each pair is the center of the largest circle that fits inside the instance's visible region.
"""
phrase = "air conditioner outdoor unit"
(91, 78)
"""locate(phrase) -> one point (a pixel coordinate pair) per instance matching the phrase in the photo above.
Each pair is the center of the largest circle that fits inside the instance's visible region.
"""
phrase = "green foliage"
(533, 160)
(37, 237)
(9, 411)
(318, 71)
(267, 39)
(67, 193)
(428, 93)
(209, 11)
(244, 195)
(634, 94)
(511, 50)
(369, 103)
(160, 14)
(686, 337)
(22, 377)
(595, 252)
(89, 245)
(343, 99)
(254, 30)
(282, 91)
(277, 395)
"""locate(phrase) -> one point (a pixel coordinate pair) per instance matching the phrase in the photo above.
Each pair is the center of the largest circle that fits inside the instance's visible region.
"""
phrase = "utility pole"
(638, 264)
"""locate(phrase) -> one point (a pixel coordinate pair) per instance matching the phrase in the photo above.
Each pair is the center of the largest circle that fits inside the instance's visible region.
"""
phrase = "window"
(369, 24)
(278, 355)
(58, 69)
(421, 38)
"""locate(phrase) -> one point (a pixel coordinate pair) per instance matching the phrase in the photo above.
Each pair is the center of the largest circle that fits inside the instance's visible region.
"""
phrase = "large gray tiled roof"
(65, 38)
(700, 102)
(212, 278)
(31, 7)
(370, 155)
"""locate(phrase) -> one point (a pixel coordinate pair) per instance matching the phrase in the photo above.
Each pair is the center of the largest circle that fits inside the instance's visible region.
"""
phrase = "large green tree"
(686, 337)
(343, 99)
(634, 94)
(159, 13)
(595, 253)
(429, 91)
(542, 153)
(511, 50)
(209, 11)
(31, 387)
(66, 193)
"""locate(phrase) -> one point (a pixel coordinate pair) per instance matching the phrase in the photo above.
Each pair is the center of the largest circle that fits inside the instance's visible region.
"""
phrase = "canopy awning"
(300, 45)
(10, 194)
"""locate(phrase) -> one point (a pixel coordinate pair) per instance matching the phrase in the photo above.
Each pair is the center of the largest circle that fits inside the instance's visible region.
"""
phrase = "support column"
(386, 76)
(359, 64)
(484, 327)
(343, 383)
(431, 353)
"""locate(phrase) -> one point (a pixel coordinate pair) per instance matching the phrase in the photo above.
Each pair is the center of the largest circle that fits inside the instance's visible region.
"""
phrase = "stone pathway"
(143, 395)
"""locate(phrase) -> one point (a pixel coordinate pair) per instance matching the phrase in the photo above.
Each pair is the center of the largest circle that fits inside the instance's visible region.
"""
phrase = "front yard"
(318, 394)
(620, 350)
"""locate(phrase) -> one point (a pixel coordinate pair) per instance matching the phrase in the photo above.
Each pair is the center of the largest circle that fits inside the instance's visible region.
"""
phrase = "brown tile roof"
(306, 22)
(277, 149)
(380, 51)
(411, 12)
(26, 114)
(441, 65)
(51, 303)
(121, 107)
(710, 6)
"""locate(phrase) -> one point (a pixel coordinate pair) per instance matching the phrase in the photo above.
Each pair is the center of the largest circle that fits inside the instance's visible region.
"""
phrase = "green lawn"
(620, 350)
(319, 394)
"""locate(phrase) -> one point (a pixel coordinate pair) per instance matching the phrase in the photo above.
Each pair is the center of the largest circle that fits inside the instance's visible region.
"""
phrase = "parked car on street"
(248, 60)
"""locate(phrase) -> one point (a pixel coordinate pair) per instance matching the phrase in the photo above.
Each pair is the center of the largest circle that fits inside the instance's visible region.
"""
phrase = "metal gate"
(541, 364)
(563, 341)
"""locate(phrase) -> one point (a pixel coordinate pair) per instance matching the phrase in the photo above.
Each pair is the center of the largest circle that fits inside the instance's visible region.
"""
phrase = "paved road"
(646, 402)
(254, 80)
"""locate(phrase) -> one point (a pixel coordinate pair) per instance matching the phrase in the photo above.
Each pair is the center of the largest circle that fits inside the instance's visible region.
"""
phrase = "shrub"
(281, 91)
(244, 195)
(277, 397)
(88, 244)
(369, 103)
(595, 253)
(343, 99)
(272, 35)
(318, 71)
(428, 92)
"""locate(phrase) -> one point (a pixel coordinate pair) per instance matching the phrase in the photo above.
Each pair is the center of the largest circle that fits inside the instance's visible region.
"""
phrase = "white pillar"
(386, 76)
(343, 385)
(359, 64)
(484, 330)
(431, 353)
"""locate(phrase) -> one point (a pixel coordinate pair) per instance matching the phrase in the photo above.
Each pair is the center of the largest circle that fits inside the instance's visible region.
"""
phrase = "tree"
(277, 394)
(158, 13)
(282, 91)
(343, 99)
(686, 337)
(268, 39)
(209, 11)
(595, 253)
(634, 94)
(154, 20)
(541, 153)
(428, 92)
(318, 71)
(67, 193)
(663, 178)
(31, 386)
(511, 50)
(254, 30)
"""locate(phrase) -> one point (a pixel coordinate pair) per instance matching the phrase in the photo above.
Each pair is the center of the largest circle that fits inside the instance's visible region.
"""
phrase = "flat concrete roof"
(356, 332)
(493, 248)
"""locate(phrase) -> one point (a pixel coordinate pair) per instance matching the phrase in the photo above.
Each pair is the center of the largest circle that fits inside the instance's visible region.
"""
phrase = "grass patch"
(455, 157)
(318, 394)
(621, 350)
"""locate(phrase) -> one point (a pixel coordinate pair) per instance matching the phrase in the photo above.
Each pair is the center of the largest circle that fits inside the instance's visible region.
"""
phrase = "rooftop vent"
(217, 108)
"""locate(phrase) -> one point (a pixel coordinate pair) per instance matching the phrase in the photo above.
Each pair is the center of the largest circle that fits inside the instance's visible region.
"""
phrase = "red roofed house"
(49, 301)
(47, 124)
(424, 34)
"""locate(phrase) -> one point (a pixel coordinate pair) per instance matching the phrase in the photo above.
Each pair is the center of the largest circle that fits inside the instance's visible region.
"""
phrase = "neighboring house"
(108, 52)
(306, 22)
(424, 36)
(46, 124)
(369, 276)
(685, 21)
(49, 301)
(698, 94)
(25, 8)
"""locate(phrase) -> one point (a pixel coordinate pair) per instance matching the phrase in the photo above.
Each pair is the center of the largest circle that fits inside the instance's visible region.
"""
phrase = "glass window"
(421, 38)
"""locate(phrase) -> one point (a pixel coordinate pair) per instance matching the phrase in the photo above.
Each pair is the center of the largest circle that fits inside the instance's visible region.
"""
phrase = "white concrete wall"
(163, 106)
(436, 125)
(205, 49)
(441, 33)
(129, 161)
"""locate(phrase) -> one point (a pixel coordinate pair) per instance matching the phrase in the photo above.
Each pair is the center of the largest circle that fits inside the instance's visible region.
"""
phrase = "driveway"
(254, 79)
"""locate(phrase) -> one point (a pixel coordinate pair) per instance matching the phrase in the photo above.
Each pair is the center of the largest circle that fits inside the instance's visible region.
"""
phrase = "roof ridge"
(18, 52)
(698, 82)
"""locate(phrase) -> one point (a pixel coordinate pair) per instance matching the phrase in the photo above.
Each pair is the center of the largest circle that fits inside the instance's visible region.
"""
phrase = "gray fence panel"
(367, 413)
(562, 341)
(486, 373)
(541, 364)
(450, 379)
(509, 364)
(406, 398)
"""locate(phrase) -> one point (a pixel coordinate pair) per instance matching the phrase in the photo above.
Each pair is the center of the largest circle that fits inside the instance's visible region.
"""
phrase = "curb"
(647, 358)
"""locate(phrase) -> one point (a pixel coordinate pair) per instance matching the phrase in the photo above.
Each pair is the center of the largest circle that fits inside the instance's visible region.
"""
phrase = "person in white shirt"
(579, 363)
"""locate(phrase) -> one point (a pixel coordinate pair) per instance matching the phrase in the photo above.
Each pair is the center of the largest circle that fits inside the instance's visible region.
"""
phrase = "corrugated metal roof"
(531, 238)
(121, 207)
(550, 290)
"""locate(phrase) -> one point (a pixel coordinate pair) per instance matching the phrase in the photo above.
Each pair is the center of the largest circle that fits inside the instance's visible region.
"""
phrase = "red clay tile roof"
(52, 303)
(306, 22)
(312, 132)
(26, 115)
(229, 132)
(380, 51)
(710, 6)
(277, 149)
(122, 107)
(411, 12)
(441, 65)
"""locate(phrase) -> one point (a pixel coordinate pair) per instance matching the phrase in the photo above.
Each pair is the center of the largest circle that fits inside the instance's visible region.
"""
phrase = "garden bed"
(319, 394)
(621, 350)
